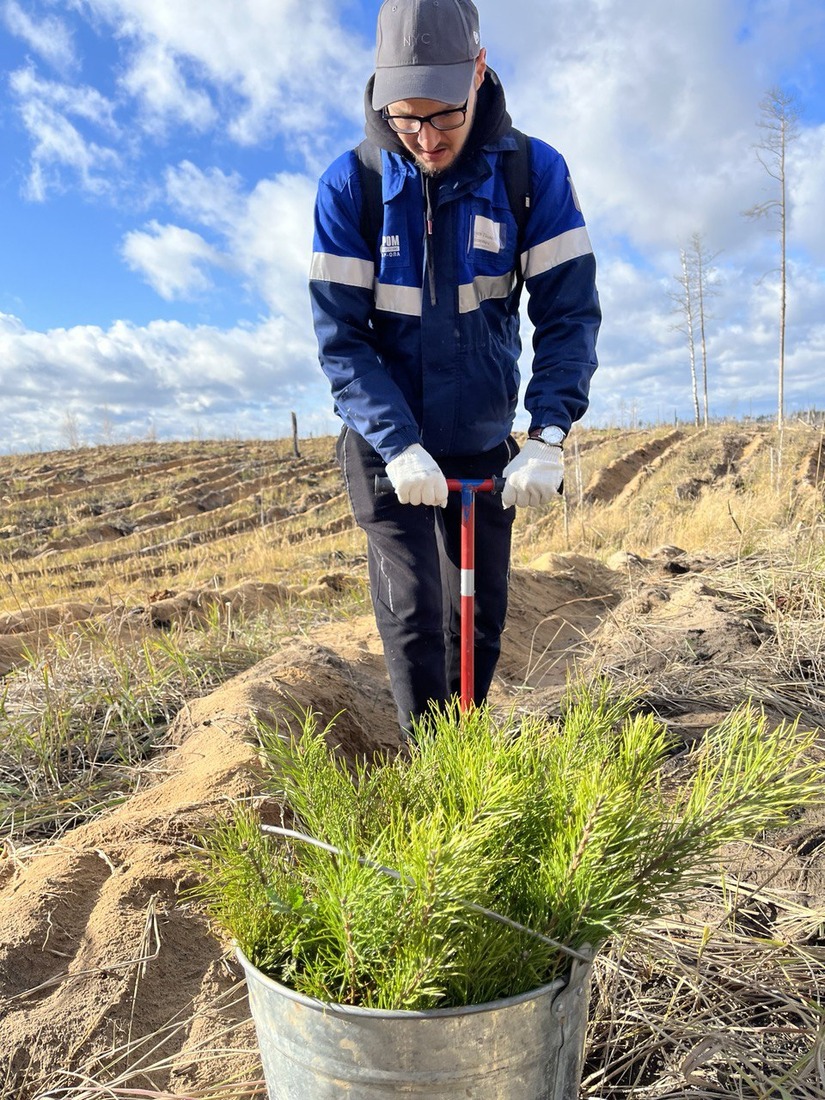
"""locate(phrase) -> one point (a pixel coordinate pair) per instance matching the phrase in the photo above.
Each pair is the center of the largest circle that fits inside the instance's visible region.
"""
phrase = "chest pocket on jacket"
(488, 235)
(491, 244)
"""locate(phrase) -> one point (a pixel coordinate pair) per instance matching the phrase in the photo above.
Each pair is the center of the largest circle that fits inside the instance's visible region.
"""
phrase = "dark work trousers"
(414, 570)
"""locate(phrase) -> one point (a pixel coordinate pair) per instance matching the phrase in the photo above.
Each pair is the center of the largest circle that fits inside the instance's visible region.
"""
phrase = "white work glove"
(417, 477)
(534, 476)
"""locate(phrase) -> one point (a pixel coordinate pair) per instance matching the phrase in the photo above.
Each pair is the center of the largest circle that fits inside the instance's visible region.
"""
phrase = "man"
(418, 336)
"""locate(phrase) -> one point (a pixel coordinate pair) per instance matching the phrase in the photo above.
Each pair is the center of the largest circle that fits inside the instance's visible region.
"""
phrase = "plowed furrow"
(812, 467)
(714, 471)
(650, 468)
(52, 487)
(609, 483)
(214, 504)
(334, 527)
(44, 565)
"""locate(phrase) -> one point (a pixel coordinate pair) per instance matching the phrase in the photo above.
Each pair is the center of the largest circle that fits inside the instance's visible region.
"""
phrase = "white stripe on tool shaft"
(468, 582)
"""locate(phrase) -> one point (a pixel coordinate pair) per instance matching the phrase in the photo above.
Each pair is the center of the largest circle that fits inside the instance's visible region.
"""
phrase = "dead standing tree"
(685, 304)
(701, 288)
(695, 289)
(780, 121)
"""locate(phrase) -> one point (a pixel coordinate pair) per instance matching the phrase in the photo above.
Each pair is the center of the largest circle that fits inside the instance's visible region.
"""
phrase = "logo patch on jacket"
(487, 234)
(391, 246)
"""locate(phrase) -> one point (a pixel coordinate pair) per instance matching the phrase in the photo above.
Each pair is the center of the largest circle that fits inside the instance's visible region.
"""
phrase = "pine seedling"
(563, 828)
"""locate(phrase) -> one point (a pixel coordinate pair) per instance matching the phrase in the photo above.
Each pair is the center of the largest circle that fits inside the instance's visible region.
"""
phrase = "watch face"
(554, 436)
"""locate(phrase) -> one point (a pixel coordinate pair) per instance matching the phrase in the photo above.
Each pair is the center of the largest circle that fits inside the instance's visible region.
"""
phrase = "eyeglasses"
(440, 120)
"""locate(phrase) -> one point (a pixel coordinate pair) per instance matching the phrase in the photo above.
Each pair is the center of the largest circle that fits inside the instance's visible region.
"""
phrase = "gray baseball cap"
(425, 49)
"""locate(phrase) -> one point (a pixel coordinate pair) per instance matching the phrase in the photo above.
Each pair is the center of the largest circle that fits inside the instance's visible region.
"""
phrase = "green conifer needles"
(566, 827)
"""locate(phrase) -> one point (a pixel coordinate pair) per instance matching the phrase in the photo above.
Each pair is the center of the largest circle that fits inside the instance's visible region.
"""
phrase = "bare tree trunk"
(783, 300)
(697, 274)
(71, 430)
(700, 287)
(296, 452)
(780, 121)
(686, 283)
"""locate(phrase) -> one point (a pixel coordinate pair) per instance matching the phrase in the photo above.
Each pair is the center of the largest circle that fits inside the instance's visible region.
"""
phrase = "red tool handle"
(454, 484)
(468, 489)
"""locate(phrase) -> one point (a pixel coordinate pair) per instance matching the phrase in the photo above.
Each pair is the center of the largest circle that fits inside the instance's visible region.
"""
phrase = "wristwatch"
(551, 435)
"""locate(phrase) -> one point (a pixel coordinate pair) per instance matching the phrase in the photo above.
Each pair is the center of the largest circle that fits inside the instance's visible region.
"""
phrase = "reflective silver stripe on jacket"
(398, 299)
(346, 270)
(556, 251)
(350, 271)
(471, 295)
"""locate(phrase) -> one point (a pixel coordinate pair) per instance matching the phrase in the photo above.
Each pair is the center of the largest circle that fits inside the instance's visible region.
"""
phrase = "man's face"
(433, 150)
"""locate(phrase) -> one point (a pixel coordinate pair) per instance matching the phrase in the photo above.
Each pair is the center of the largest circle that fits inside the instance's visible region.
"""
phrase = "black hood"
(491, 119)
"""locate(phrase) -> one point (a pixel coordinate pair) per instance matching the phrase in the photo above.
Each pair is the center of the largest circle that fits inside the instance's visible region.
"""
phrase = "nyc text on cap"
(425, 49)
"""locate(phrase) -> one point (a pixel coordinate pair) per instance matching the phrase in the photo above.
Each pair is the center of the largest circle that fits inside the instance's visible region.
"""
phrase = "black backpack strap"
(517, 173)
(372, 205)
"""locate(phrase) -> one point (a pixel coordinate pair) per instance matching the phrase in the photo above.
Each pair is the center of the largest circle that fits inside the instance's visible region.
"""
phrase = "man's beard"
(434, 173)
(428, 170)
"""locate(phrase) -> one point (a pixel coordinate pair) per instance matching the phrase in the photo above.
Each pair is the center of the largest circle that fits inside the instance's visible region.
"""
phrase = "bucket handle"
(585, 955)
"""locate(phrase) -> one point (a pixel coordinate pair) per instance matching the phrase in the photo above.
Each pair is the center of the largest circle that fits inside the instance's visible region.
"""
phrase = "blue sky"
(158, 165)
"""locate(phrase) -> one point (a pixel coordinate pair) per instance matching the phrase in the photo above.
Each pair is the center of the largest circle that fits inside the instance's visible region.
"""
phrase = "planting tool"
(468, 488)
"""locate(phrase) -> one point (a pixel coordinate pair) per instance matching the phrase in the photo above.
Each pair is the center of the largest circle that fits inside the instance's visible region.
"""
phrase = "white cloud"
(80, 101)
(171, 259)
(210, 197)
(58, 147)
(280, 67)
(155, 79)
(655, 108)
(168, 376)
(271, 242)
(49, 37)
(807, 193)
(265, 234)
(644, 368)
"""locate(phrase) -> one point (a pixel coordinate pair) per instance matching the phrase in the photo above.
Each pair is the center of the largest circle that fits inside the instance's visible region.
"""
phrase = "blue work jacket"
(431, 357)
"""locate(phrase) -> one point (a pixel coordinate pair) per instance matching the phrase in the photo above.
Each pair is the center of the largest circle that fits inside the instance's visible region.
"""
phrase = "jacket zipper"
(428, 238)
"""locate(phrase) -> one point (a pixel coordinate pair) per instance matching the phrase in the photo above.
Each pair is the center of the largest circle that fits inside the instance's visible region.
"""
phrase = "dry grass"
(169, 511)
(724, 488)
(129, 1068)
(84, 720)
(698, 1008)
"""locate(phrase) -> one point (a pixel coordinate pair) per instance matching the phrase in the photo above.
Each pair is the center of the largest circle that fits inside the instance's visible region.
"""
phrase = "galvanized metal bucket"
(524, 1048)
